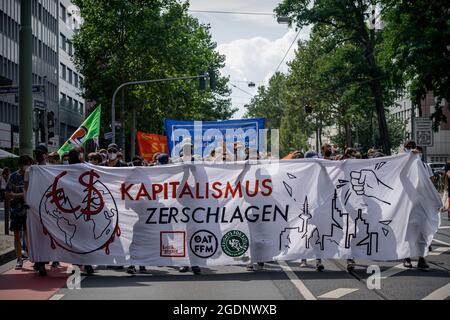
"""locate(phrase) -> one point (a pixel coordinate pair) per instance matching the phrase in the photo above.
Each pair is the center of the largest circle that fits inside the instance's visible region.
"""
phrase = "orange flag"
(150, 143)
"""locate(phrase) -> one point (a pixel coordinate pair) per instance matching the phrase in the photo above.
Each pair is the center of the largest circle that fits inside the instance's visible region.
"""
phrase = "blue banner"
(207, 135)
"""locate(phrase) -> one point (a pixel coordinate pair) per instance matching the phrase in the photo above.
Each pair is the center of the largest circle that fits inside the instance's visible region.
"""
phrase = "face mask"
(65, 162)
(112, 156)
(408, 150)
(81, 156)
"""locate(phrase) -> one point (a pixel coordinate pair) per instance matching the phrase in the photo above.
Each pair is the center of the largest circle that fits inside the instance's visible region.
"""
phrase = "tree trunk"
(377, 93)
(320, 135)
(348, 134)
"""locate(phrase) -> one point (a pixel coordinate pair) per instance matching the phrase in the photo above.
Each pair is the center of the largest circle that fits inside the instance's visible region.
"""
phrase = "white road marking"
(438, 251)
(338, 293)
(439, 294)
(444, 227)
(304, 291)
(394, 270)
(57, 297)
(442, 242)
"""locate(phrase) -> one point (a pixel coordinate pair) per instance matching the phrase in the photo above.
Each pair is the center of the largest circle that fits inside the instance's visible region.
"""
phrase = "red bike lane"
(26, 284)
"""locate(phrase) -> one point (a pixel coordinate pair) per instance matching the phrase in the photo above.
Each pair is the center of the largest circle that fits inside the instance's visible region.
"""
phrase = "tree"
(345, 21)
(417, 37)
(127, 40)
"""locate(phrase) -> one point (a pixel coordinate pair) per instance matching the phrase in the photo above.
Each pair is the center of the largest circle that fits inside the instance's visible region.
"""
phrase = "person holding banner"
(18, 212)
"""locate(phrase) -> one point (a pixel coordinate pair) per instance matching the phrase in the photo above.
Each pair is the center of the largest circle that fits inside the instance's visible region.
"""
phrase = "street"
(278, 281)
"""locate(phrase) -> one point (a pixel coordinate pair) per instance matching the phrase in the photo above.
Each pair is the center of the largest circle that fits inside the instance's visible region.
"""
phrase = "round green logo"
(234, 243)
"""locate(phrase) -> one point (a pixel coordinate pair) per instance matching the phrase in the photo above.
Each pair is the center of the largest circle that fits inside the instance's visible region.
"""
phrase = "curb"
(7, 255)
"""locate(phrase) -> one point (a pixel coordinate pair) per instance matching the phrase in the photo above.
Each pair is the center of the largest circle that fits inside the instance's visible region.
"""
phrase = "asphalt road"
(276, 281)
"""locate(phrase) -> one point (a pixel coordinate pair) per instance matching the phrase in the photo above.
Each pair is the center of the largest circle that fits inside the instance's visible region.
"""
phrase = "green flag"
(89, 129)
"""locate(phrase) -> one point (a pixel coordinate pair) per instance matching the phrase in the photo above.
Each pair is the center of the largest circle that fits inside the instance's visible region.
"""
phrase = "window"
(81, 109)
(75, 77)
(62, 12)
(70, 47)
(81, 82)
(75, 105)
(63, 99)
(62, 41)
(62, 71)
(70, 105)
(70, 72)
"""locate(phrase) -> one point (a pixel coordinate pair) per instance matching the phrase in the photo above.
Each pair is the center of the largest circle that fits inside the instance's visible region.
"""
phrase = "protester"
(65, 158)
(95, 158)
(162, 159)
(113, 160)
(326, 151)
(137, 162)
(4, 178)
(54, 158)
(18, 212)
(447, 184)
(104, 154)
(411, 146)
(311, 154)
(41, 154)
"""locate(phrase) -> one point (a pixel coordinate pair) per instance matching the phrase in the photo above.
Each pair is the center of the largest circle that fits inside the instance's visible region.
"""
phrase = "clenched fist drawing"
(366, 183)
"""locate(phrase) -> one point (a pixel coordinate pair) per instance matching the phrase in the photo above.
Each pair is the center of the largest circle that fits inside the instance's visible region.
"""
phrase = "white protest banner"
(232, 213)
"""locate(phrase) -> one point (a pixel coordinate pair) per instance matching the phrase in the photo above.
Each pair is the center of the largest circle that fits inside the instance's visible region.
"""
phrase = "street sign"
(108, 135)
(40, 104)
(423, 131)
(36, 88)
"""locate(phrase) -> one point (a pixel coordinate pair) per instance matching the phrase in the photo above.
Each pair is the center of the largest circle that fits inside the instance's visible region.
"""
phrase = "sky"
(253, 45)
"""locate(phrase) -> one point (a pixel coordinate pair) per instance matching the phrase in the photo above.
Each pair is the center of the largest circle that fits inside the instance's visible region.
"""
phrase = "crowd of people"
(13, 186)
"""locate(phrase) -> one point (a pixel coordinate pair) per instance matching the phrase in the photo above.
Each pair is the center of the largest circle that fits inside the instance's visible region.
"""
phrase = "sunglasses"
(112, 151)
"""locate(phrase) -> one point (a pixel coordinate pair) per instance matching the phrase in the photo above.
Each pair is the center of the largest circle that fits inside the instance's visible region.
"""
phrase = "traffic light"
(212, 79)
(41, 125)
(202, 81)
(51, 124)
(211, 75)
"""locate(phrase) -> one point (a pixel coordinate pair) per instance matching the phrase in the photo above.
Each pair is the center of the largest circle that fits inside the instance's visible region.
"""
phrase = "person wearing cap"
(113, 160)
(162, 159)
(311, 154)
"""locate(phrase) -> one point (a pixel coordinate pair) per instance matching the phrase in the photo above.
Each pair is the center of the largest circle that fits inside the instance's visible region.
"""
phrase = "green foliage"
(417, 37)
(129, 40)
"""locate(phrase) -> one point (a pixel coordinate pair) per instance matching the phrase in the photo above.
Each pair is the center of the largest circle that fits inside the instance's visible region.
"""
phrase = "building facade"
(402, 110)
(72, 105)
(48, 55)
